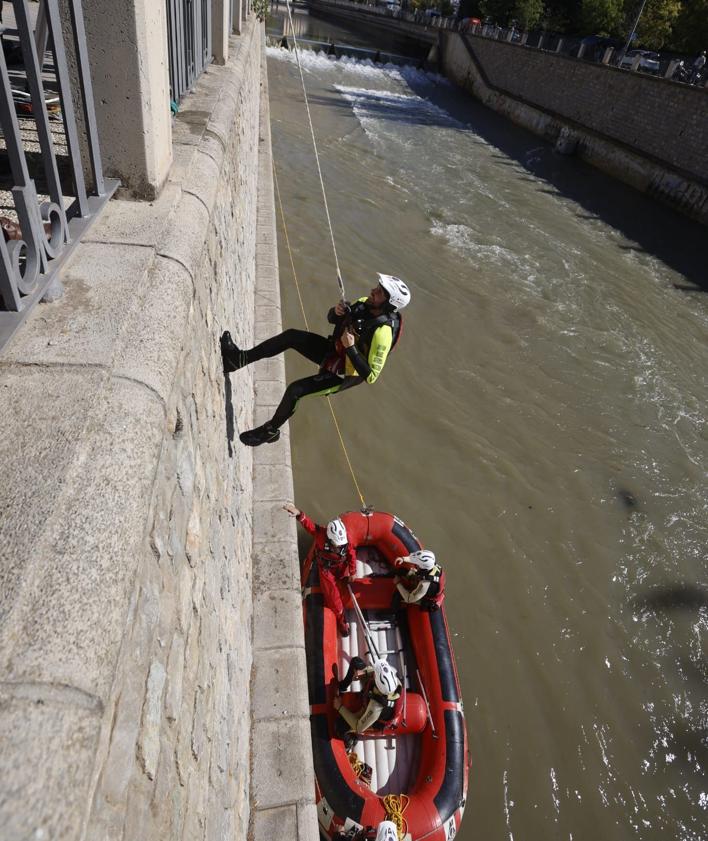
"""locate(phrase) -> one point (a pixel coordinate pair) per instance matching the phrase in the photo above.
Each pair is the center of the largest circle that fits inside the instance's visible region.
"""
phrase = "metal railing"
(51, 179)
(188, 43)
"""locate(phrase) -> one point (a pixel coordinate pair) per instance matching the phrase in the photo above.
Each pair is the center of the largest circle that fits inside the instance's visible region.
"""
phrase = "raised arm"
(301, 517)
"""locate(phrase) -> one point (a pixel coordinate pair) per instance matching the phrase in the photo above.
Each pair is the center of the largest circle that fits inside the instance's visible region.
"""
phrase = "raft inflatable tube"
(414, 771)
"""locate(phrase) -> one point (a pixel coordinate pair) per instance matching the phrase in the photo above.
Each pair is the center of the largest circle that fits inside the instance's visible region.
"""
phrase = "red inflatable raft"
(418, 763)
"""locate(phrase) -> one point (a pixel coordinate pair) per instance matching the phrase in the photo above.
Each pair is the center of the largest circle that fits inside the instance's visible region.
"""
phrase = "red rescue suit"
(335, 563)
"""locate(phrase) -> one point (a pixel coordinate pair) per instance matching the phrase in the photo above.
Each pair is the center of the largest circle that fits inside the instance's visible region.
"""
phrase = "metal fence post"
(57, 193)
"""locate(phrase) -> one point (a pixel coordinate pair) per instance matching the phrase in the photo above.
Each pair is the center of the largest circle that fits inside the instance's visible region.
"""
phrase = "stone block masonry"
(126, 508)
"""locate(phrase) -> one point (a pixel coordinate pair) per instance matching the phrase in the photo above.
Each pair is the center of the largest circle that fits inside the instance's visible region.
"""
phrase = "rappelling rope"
(307, 326)
(317, 156)
(395, 805)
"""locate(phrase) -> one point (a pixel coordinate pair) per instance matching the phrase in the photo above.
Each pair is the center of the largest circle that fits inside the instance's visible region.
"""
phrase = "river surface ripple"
(541, 426)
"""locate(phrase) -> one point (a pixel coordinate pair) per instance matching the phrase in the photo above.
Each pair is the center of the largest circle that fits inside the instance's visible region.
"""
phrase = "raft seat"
(392, 756)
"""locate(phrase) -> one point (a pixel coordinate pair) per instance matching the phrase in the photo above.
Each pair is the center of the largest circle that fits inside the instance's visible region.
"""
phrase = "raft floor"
(393, 759)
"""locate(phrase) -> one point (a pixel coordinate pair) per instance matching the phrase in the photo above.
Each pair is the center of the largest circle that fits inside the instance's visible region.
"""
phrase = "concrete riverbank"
(142, 694)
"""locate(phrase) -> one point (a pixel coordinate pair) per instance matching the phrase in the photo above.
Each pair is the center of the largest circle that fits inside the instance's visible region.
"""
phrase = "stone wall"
(648, 132)
(657, 117)
(126, 530)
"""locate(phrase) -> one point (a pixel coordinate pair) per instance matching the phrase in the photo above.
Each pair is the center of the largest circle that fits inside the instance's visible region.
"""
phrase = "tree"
(690, 31)
(527, 13)
(500, 11)
(562, 16)
(657, 22)
(469, 9)
(603, 17)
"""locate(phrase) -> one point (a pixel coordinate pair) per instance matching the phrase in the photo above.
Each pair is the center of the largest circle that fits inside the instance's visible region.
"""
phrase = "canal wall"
(650, 133)
(141, 693)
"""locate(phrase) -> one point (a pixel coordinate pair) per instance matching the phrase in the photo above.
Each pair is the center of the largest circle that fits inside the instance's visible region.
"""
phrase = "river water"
(541, 426)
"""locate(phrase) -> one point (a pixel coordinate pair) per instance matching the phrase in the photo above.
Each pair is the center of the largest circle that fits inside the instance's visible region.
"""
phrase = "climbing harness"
(395, 805)
(317, 155)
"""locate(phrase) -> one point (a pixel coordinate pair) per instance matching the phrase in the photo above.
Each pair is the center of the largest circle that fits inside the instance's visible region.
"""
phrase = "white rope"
(317, 156)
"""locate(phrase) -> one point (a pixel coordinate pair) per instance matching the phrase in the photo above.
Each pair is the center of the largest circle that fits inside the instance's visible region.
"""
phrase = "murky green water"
(541, 426)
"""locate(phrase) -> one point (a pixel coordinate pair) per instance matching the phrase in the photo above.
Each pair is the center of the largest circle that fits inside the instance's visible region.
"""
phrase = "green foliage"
(260, 8)
(561, 16)
(527, 13)
(498, 10)
(657, 22)
(680, 25)
(602, 17)
(690, 31)
(470, 9)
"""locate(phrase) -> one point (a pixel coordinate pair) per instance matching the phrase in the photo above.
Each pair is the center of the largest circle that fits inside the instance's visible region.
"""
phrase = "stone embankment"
(648, 132)
(134, 524)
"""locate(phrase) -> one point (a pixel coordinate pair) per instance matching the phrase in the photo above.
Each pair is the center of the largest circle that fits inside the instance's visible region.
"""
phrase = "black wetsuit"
(363, 361)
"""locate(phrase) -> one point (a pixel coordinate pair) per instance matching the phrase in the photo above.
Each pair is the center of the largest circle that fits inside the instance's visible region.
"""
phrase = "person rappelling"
(423, 580)
(336, 560)
(356, 352)
(382, 690)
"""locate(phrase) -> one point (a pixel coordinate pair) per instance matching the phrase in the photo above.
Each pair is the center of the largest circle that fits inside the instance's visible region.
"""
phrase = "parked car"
(648, 61)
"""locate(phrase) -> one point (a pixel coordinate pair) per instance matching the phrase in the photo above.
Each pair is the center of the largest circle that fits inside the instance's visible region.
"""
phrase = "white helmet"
(398, 293)
(386, 831)
(385, 677)
(424, 559)
(337, 532)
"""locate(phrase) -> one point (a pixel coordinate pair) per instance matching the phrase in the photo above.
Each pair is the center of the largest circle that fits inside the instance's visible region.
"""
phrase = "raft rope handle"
(307, 326)
(317, 155)
(395, 805)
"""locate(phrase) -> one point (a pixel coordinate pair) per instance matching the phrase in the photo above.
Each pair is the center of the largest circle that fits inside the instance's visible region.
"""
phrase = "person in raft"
(382, 689)
(423, 582)
(356, 352)
(335, 558)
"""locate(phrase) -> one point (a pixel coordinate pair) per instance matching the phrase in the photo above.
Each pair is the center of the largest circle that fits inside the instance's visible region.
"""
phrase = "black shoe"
(265, 434)
(231, 354)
